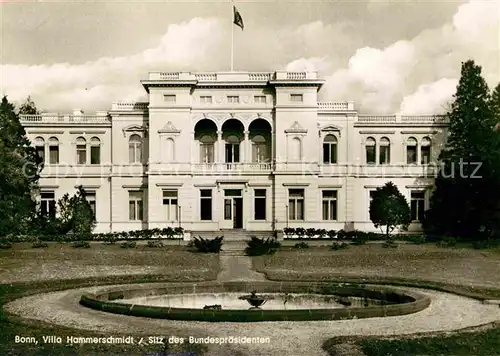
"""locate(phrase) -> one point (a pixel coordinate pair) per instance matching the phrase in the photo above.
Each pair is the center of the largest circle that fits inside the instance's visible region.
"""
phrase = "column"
(220, 148)
(247, 153)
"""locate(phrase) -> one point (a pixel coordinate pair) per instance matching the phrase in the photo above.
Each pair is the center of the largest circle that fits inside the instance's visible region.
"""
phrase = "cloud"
(417, 75)
(94, 85)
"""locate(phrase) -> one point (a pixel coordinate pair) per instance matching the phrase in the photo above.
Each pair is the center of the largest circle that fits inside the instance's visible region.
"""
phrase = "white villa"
(234, 150)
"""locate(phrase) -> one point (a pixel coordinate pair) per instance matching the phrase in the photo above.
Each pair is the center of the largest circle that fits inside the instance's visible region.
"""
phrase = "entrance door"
(233, 209)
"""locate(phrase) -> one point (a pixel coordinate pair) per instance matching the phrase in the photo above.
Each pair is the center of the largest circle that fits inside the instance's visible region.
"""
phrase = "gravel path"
(447, 312)
(238, 268)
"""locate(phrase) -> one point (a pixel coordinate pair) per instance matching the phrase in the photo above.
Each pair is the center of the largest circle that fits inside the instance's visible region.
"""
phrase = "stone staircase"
(233, 234)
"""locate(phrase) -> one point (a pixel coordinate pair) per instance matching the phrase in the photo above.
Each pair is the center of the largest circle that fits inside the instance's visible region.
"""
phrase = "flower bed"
(354, 235)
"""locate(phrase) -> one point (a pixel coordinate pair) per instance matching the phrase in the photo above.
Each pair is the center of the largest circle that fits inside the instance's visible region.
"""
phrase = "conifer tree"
(467, 188)
(389, 208)
(19, 173)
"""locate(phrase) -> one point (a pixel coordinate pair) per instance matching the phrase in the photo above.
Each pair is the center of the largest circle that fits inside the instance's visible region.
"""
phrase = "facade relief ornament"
(296, 128)
(135, 128)
(169, 128)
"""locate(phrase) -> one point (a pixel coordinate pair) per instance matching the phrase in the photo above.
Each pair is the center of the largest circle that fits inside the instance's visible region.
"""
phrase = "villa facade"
(253, 151)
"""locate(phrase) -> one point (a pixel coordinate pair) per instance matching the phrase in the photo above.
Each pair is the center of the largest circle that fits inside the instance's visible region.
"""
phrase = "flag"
(238, 21)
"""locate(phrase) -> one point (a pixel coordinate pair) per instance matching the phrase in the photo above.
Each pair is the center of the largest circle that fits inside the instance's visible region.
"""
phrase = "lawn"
(62, 261)
(25, 270)
(461, 270)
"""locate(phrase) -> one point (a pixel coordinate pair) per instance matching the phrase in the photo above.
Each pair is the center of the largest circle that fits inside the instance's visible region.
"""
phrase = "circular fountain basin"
(304, 301)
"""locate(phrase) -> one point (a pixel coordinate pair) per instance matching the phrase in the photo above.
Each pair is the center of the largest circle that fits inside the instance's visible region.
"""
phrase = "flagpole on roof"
(232, 34)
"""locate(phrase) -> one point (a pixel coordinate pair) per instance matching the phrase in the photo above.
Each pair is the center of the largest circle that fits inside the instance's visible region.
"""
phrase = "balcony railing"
(413, 119)
(132, 106)
(336, 105)
(223, 167)
(377, 118)
(65, 119)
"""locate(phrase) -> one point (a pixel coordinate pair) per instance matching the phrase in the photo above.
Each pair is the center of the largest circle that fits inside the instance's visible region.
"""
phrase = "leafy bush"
(301, 245)
(81, 244)
(484, 244)
(311, 232)
(389, 243)
(207, 245)
(341, 235)
(258, 247)
(339, 246)
(128, 244)
(447, 241)
(416, 239)
(331, 234)
(4, 245)
(39, 244)
(360, 239)
(155, 244)
(300, 231)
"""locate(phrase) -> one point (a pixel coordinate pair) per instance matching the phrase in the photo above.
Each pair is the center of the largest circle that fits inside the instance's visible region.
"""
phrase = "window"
(296, 97)
(260, 204)
(206, 204)
(296, 149)
(385, 151)
(169, 98)
(411, 151)
(370, 150)
(425, 151)
(53, 150)
(233, 99)
(81, 151)
(40, 148)
(259, 149)
(296, 204)
(170, 202)
(417, 205)
(232, 149)
(135, 206)
(206, 99)
(48, 204)
(207, 149)
(95, 151)
(90, 196)
(135, 149)
(259, 99)
(330, 149)
(170, 147)
(329, 204)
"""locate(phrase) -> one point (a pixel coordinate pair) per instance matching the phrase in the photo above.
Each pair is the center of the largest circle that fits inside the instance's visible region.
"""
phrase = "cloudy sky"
(387, 56)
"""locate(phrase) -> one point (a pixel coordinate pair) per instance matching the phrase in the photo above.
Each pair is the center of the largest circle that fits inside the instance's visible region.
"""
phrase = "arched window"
(385, 151)
(170, 148)
(411, 150)
(296, 149)
(53, 150)
(135, 149)
(40, 148)
(330, 149)
(370, 150)
(95, 150)
(232, 149)
(81, 150)
(207, 149)
(259, 149)
(425, 150)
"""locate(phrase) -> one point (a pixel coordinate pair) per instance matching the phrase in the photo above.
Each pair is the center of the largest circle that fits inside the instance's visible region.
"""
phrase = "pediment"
(169, 128)
(134, 128)
(296, 128)
(330, 127)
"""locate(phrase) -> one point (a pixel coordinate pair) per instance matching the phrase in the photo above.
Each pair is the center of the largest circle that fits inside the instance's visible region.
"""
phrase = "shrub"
(339, 246)
(289, 231)
(331, 234)
(207, 245)
(416, 239)
(258, 247)
(322, 233)
(4, 245)
(483, 244)
(360, 239)
(39, 244)
(389, 243)
(128, 244)
(311, 232)
(300, 231)
(81, 244)
(341, 234)
(155, 244)
(447, 241)
(301, 245)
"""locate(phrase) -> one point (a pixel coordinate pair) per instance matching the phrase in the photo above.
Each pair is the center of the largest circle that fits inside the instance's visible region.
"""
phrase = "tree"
(19, 173)
(75, 214)
(389, 208)
(28, 107)
(467, 189)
